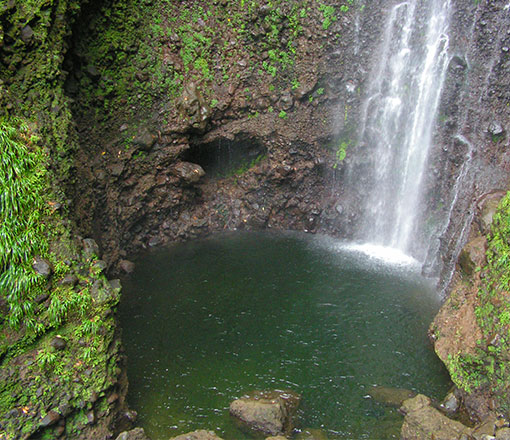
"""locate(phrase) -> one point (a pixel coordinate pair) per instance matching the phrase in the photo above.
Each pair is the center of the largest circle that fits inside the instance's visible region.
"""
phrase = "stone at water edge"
(134, 434)
(266, 412)
(127, 266)
(201, 434)
(390, 396)
(423, 422)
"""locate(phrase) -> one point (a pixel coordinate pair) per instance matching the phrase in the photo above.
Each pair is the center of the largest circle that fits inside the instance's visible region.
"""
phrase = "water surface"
(207, 321)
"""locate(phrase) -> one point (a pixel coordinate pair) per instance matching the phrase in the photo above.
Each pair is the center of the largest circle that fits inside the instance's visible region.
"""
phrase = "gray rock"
(194, 107)
(51, 418)
(58, 343)
(423, 422)
(154, 241)
(473, 255)
(450, 403)
(93, 72)
(42, 267)
(486, 429)
(286, 101)
(41, 298)
(90, 248)
(503, 434)
(189, 172)
(197, 435)
(134, 434)
(266, 412)
(145, 140)
(496, 129)
(115, 285)
(103, 292)
(390, 396)
(69, 280)
(99, 265)
(27, 33)
(127, 266)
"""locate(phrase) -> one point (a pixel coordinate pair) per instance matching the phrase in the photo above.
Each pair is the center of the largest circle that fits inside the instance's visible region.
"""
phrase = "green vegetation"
(488, 368)
(341, 152)
(22, 209)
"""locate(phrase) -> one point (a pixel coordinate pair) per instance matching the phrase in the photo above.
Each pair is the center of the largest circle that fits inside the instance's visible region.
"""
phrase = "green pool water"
(206, 321)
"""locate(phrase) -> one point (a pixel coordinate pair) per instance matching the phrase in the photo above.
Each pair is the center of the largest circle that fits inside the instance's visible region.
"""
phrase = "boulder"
(390, 396)
(127, 266)
(58, 343)
(266, 412)
(188, 172)
(42, 267)
(144, 140)
(69, 280)
(194, 108)
(134, 434)
(50, 418)
(473, 255)
(451, 403)
(27, 33)
(503, 434)
(201, 434)
(423, 422)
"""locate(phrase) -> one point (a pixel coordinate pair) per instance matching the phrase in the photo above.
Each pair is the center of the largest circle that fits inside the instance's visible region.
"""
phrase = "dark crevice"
(225, 157)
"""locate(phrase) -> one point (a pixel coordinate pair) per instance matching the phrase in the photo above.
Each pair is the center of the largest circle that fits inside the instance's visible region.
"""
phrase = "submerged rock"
(201, 434)
(390, 396)
(127, 266)
(312, 434)
(423, 422)
(267, 412)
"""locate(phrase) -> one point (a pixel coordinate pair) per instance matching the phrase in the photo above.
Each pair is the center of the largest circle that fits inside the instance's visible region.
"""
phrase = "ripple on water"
(277, 311)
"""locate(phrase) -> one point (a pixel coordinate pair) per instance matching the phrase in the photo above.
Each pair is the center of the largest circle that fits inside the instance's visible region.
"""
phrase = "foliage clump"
(22, 209)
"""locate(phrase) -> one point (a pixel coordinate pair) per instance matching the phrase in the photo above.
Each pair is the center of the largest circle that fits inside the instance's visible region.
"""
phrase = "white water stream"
(398, 121)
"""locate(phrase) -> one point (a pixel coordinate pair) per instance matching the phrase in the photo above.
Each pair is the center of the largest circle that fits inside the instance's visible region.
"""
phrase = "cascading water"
(398, 121)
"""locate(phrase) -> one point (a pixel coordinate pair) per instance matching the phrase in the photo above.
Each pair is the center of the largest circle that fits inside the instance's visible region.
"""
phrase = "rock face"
(423, 422)
(456, 333)
(266, 412)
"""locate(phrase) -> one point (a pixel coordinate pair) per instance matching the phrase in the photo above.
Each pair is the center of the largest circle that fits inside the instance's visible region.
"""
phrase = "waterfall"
(397, 123)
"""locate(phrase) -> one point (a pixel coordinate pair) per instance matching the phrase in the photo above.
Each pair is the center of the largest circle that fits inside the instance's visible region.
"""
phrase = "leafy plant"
(22, 208)
(341, 152)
